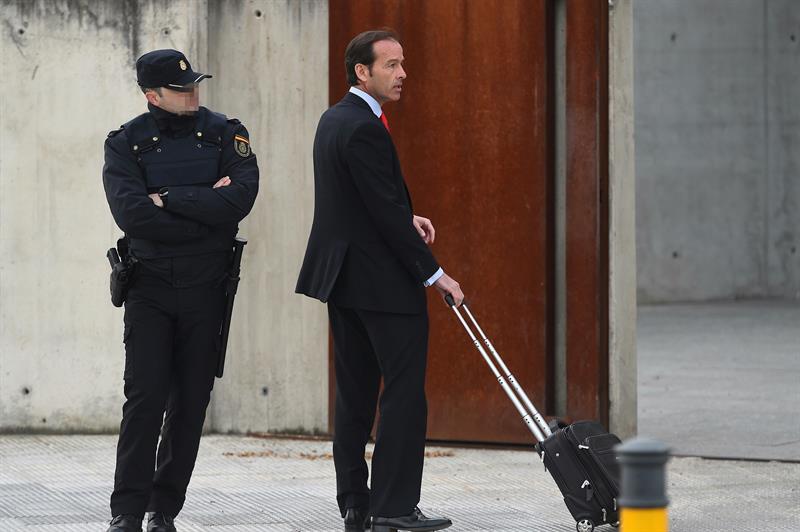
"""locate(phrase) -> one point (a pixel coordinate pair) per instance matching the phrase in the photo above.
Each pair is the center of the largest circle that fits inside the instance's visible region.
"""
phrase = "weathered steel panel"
(587, 209)
(473, 130)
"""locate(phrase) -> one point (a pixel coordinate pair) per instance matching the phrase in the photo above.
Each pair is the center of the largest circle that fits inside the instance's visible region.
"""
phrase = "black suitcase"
(581, 460)
(580, 457)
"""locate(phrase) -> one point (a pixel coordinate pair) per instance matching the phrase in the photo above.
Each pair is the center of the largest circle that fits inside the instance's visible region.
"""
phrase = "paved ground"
(722, 379)
(61, 483)
(714, 380)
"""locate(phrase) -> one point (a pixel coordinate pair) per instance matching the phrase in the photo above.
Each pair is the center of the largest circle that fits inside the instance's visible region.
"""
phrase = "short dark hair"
(360, 50)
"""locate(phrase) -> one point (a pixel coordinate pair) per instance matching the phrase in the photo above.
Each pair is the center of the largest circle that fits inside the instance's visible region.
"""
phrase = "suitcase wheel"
(584, 525)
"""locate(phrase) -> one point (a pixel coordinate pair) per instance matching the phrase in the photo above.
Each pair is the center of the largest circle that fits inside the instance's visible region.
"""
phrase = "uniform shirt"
(196, 221)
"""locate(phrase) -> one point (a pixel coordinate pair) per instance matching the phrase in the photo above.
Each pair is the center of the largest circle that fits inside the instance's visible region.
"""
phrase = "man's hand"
(156, 199)
(447, 285)
(425, 229)
(224, 182)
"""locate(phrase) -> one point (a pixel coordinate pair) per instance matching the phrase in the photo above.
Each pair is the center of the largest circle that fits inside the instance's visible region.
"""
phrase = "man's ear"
(152, 97)
(362, 72)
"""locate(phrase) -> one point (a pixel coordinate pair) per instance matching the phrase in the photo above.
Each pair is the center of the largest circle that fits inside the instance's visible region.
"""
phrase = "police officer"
(178, 179)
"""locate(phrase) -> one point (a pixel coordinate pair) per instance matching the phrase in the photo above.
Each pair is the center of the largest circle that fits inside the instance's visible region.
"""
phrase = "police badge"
(182, 64)
(241, 145)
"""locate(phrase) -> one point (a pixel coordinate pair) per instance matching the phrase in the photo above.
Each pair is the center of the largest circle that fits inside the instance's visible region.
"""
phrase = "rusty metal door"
(473, 133)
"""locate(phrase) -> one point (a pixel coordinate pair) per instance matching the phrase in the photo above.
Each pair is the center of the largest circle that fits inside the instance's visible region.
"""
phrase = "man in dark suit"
(368, 258)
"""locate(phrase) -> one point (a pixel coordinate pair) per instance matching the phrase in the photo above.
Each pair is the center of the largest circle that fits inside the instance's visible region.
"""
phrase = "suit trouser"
(369, 345)
(171, 352)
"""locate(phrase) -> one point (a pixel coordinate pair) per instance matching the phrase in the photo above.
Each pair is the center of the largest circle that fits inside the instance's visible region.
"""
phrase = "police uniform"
(175, 304)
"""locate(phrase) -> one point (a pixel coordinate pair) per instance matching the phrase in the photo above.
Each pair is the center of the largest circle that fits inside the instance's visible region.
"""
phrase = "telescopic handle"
(526, 416)
(537, 417)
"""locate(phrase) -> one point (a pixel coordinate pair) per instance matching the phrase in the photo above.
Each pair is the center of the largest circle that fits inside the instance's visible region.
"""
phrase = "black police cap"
(166, 68)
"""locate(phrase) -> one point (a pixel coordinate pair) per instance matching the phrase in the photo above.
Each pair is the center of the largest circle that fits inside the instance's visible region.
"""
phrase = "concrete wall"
(782, 20)
(271, 71)
(717, 133)
(68, 79)
(622, 372)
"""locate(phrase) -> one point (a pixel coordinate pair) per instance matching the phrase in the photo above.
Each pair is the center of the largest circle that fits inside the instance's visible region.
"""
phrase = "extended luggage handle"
(532, 418)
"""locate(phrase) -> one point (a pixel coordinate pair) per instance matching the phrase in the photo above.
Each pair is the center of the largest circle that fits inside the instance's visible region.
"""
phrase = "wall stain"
(131, 19)
(16, 38)
(123, 16)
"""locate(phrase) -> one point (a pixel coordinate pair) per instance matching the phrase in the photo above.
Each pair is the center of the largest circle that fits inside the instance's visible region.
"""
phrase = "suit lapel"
(353, 99)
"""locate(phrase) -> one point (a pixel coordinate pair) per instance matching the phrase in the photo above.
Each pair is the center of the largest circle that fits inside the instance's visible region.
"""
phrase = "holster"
(123, 265)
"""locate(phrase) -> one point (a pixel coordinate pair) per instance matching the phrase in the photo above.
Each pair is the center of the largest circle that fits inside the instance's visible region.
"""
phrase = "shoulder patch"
(115, 131)
(241, 145)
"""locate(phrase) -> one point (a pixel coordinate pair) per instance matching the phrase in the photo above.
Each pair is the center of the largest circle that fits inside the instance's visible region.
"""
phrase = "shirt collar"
(372, 102)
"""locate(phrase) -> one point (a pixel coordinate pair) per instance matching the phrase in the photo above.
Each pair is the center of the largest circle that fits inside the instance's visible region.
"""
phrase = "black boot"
(356, 520)
(125, 523)
(415, 521)
(159, 522)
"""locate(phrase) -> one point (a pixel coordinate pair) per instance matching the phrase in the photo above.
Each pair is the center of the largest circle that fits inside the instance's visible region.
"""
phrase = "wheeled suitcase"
(579, 457)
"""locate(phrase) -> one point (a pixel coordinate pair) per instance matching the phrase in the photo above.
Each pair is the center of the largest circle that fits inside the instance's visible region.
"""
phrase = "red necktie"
(385, 122)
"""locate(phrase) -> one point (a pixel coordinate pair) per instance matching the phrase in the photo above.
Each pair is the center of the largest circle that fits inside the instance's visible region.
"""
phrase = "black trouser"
(370, 345)
(171, 351)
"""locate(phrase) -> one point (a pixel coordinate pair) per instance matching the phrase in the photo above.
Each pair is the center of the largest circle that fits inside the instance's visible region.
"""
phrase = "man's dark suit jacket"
(363, 251)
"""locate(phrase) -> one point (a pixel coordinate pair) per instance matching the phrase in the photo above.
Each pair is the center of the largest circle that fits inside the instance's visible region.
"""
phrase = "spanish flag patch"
(241, 145)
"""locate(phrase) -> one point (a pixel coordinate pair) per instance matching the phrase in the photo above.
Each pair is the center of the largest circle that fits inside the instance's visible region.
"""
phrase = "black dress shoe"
(158, 522)
(356, 520)
(125, 523)
(415, 521)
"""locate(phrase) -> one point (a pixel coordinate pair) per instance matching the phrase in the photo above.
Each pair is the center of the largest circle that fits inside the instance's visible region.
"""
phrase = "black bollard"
(643, 494)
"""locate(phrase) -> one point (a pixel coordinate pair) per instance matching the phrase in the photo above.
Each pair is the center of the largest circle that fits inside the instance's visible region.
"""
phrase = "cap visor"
(188, 78)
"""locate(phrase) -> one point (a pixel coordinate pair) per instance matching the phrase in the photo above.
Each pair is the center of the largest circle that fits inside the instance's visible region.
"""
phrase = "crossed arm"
(230, 199)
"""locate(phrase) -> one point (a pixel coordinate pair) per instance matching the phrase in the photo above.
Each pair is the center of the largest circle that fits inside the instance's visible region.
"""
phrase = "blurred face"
(384, 81)
(180, 102)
